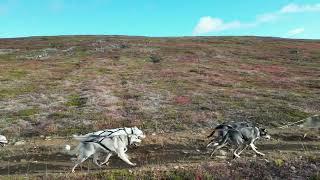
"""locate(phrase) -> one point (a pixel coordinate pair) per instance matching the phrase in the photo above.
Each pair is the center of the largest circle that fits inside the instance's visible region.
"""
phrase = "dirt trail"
(145, 155)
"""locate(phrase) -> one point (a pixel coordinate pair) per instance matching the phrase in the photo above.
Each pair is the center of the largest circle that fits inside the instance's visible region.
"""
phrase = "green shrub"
(155, 58)
(279, 162)
(76, 100)
(27, 112)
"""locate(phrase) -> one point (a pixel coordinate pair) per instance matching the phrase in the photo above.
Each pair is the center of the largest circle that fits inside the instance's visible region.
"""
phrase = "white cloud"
(268, 17)
(209, 24)
(295, 8)
(296, 31)
(213, 24)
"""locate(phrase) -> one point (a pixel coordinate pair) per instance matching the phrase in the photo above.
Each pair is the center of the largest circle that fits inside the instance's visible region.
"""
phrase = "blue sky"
(281, 18)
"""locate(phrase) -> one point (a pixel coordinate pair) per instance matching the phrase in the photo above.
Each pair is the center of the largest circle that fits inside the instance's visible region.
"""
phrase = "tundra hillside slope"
(59, 86)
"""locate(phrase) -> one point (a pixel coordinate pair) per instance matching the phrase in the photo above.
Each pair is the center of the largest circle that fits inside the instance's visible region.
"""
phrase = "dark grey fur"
(223, 128)
(241, 139)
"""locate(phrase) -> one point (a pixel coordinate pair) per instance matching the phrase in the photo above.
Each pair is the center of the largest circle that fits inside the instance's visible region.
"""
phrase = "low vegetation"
(58, 86)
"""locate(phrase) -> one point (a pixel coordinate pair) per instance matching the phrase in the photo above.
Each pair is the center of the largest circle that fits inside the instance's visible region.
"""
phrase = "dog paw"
(133, 164)
(236, 156)
(106, 164)
(212, 154)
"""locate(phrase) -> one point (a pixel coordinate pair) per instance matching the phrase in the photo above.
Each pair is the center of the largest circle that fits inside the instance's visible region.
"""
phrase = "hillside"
(58, 86)
(62, 85)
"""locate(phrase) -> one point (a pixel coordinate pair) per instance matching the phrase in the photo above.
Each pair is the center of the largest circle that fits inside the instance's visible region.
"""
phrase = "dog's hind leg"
(95, 159)
(79, 161)
(81, 158)
(235, 155)
(253, 147)
(217, 148)
(212, 141)
(106, 159)
(221, 144)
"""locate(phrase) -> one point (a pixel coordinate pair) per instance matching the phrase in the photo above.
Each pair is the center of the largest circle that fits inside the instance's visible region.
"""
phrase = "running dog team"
(110, 142)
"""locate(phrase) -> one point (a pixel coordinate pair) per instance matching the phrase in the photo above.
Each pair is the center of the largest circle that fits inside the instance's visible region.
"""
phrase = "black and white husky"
(241, 139)
(96, 144)
(222, 129)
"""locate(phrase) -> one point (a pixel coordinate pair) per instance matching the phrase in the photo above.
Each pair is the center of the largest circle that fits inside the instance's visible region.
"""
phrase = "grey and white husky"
(95, 144)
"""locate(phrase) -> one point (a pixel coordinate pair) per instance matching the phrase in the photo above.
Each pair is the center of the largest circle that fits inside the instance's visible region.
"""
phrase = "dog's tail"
(67, 149)
(212, 133)
(80, 138)
(222, 141)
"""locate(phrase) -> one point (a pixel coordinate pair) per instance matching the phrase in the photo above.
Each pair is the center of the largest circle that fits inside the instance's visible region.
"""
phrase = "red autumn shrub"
(183, 100)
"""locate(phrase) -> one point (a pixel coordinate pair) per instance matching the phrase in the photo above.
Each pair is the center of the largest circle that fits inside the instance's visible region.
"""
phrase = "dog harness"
(105, 147)
(102, 145)
(111, 132)
(98, 142)
(105, 136)
(127, 139)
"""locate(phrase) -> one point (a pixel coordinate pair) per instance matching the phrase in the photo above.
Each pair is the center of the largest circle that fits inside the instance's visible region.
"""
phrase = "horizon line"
(145, 36)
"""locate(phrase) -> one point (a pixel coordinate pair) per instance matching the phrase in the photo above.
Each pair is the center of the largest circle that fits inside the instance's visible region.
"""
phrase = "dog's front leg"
(245, 147)
(106, 159)
(253, 147)
(124, 157)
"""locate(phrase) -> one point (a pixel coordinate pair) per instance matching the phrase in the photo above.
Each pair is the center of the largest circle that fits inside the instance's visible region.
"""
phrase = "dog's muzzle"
(136, 144)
